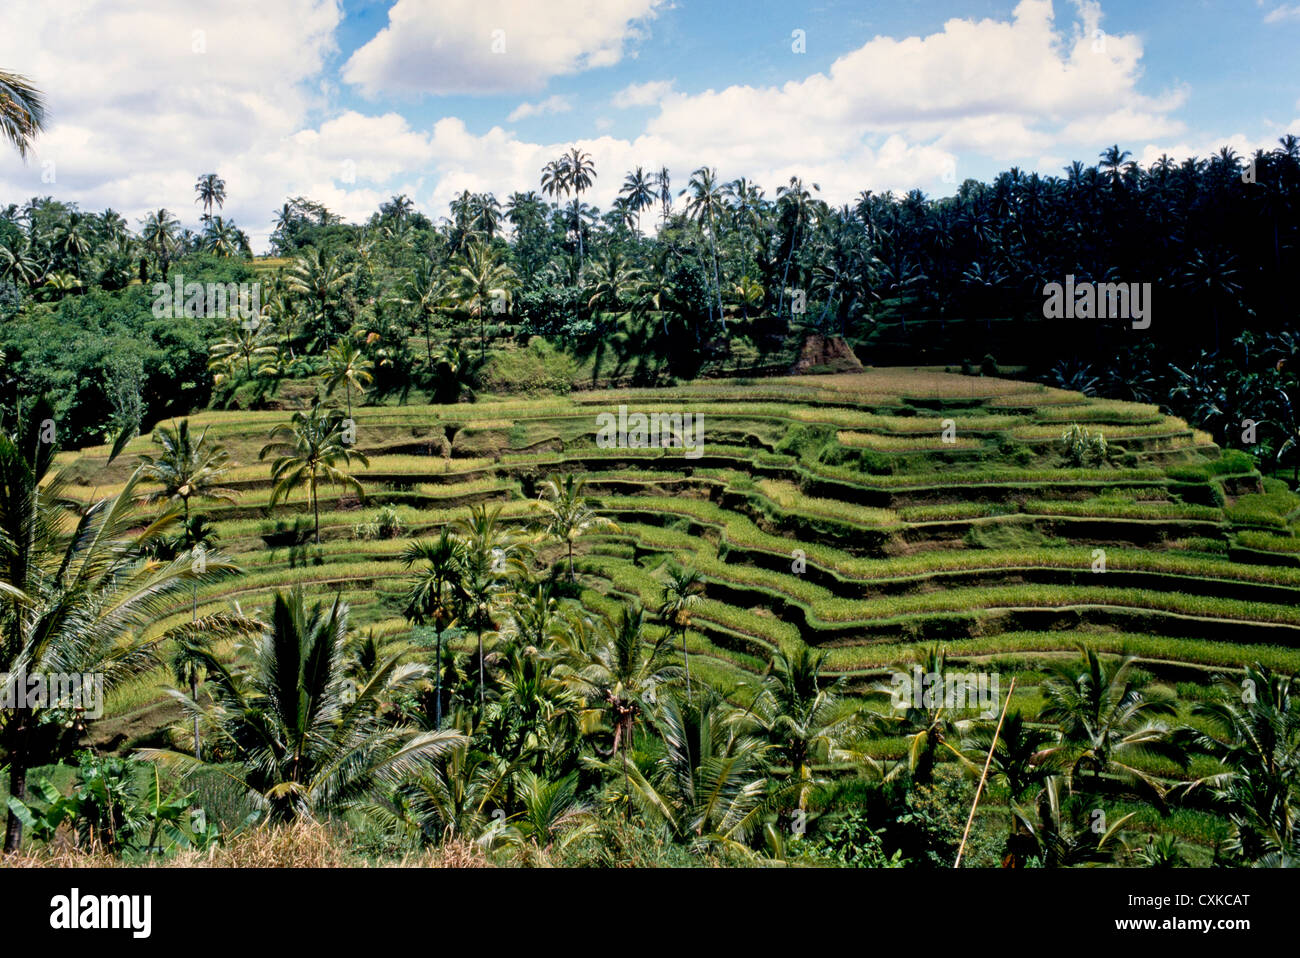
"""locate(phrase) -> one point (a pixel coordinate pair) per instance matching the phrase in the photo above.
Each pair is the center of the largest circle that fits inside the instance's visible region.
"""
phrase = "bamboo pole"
(983, 775)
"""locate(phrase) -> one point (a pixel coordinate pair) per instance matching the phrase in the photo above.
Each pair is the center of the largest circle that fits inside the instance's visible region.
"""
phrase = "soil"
(825, 354)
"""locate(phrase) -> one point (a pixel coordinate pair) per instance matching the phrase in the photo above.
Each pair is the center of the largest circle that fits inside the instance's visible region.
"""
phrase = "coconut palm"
(245, 344)
(805, 721)
(1109, 715)
(928, 721)
(187, 468)
(485, 284)
(492, 553)
(619, 673)
(429, 291)
(347, 366)
(211, 189)
(307, 745)
(1253, 729)
(434, 594)
(639, 192)
(160, 236)
(709, 785)
(567, 514)
(681, 594)
(705, 206)
(77, 591)
(22, 111)
(312, 448)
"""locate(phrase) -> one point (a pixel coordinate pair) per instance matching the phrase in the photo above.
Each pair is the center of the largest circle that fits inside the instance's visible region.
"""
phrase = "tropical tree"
(639, 192)
(77, 591)
(347, 366)
(159, 235)
(308, 745)
(485, 283)
(681, 594)
(186, 468)
(312, 448)
(210, 190)
(1253, 729)
(1110, 715)
(567, 514)
(491, 554)
(434, 594)
(245, 343)
(22, 111)
(805, 721)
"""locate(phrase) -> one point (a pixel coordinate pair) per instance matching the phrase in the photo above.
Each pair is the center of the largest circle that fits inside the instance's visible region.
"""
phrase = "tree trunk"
(437, 679)
(686, 658)
(315, 505)
(570, 561)
(194, 695)
(17, 787)
(481, 696)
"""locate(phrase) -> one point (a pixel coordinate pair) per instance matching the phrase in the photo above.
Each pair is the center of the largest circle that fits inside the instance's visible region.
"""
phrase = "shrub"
(1083, 448)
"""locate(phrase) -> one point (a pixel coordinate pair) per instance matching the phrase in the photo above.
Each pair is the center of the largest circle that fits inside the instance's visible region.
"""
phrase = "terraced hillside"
(860, 513)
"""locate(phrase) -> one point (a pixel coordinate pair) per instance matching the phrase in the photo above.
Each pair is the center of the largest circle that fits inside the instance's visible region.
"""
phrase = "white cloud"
(142, 98)
(493, 46)
(642, 94)
(552, 104)
(1283, 12)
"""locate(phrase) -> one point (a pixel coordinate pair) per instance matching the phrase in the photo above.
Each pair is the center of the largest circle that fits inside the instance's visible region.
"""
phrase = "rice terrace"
(524, 490)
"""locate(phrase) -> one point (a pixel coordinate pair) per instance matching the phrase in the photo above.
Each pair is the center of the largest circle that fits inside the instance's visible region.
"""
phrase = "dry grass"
(299, 845)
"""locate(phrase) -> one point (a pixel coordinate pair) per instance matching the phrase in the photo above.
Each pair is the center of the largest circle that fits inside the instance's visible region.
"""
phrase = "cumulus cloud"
(137, 112)
(493, 46)
(642, 94)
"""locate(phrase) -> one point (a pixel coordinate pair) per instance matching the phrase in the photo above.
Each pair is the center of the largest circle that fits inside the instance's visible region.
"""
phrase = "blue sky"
(349, 102)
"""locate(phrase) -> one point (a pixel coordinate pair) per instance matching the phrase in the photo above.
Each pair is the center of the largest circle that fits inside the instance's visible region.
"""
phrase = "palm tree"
(619, 673)
(680, 595)
(244, 341)
(614, 281)
(1254, 731)
(22, 111)
(210, 189)
(309, 449)
(705, 206)
(306, 746)
(485, 282)
(318, 278)
(347, 366)
(433, 595)
(639, 192)
(567, 514)
(709, 785)
(1023, 757)
(928, 723)
(186, 468)
(804, 721)
(429, 292)
(1109, 715)
(1055, 831)
(663, 182)
(78, 591)
(159, 237)
(491, 554)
